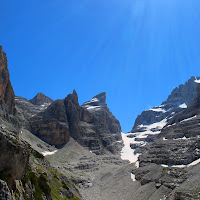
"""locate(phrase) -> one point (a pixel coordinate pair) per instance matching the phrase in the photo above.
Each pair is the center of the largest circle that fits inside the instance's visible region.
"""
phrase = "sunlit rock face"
(179, 141)
(172, 161)
(149, 124)
(97, 106)
(7, 101)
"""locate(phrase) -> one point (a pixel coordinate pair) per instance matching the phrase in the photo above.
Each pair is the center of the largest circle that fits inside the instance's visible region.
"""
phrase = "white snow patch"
(172, 125)
(195, 162)
(93, 107)
(93, 100)
(127, 153)
(47, 153)
(157, 110)
(159, 125)
(182, 166)
(183, 138)
(196, 80)
(133, 177)
(183, 105)
(188, 119)
(164, 165)
(137, 164)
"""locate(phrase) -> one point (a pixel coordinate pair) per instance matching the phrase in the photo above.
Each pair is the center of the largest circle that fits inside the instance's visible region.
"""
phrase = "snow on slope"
(182, 166)
(127, 152)
(183, 105)
(196, 80)
(48, 153)
(157, 109)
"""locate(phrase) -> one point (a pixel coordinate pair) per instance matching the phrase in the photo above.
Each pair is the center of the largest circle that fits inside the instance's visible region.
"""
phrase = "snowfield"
(48, 153)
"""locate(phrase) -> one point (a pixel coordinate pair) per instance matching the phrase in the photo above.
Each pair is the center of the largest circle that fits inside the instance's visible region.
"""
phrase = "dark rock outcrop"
(96, 129)
(14, 156)
(51, 125)
(41, 99)
(92, 124)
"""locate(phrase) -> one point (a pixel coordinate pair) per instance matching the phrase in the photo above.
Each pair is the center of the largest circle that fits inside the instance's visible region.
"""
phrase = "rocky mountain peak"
(185, 93)
(149, 123)
(101, 97)
(41, 99)
(72, 98)
(97, 103)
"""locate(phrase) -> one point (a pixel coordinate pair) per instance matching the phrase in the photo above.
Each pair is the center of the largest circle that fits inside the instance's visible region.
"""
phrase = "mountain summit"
(41, 99)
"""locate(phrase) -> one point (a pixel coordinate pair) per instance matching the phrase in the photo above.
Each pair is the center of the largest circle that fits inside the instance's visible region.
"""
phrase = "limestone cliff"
(95, 129)
(7, 101)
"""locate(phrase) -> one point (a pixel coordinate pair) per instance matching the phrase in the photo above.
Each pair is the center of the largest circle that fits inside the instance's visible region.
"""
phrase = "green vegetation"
(45, 181)
(39, 182)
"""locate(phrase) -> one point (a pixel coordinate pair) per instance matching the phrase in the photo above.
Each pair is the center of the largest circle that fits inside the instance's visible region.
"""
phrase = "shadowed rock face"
(7, 102)
(14, 153)
(97, 130)
(51, 125)
(41, 99)
(14, 156)
(92, 124)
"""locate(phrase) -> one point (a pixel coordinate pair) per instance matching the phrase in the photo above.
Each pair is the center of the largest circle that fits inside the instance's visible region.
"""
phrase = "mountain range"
(63, 150)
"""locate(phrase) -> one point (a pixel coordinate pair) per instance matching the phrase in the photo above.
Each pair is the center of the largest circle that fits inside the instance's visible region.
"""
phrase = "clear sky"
(135, 50)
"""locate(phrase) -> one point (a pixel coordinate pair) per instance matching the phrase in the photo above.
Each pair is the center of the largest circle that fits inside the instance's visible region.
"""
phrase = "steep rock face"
(110, 127)
(51, 125)
(41, 99)
(92, 124)
(172, 160)
(149, 124)
(26, 108)
(14, 156)
(7, 102)
(97, 106)
(97, 130)
(179, 141)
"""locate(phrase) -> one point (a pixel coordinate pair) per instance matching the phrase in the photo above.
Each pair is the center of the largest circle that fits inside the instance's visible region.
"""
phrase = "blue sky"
(135, 50)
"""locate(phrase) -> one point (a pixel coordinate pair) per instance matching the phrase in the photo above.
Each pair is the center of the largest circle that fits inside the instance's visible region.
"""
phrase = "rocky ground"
(103, 177)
